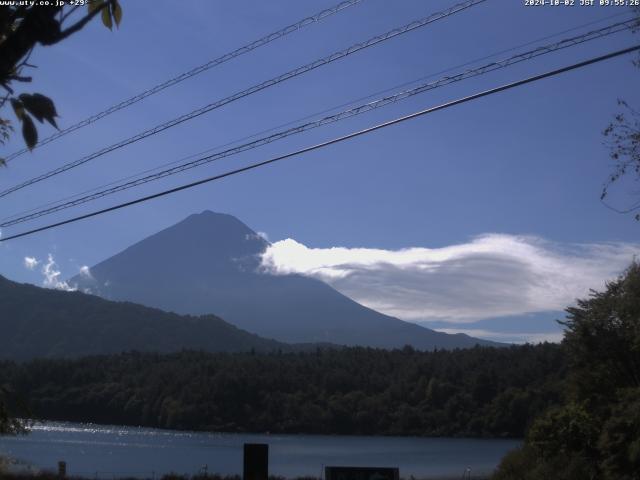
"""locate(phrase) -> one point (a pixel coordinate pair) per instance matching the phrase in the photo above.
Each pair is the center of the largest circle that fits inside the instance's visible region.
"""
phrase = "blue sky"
(519, 172)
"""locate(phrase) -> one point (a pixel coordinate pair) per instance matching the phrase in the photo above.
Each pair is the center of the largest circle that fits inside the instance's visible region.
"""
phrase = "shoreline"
(50, 475)
(119, 452)
(168, 431)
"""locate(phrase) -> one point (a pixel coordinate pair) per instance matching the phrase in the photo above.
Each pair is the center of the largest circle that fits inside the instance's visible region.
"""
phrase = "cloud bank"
(492, 275)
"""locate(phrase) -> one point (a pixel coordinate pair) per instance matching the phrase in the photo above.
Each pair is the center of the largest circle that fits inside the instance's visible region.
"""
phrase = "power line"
(249, 91)
(307, 117)
(343, 138)
(315, 114)
(381, 102)
(310, 116)
(194, 71)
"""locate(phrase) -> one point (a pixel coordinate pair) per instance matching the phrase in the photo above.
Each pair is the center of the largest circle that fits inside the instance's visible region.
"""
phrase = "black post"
(256, 461)
(62, 469)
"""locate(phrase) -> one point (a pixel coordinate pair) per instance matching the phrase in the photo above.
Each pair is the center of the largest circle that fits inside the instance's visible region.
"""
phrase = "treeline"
(480, 392)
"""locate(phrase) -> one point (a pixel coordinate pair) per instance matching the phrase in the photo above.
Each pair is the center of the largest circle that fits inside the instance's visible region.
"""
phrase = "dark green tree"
(603, 339)
(596, 433)
(619, 442)
(9, 425)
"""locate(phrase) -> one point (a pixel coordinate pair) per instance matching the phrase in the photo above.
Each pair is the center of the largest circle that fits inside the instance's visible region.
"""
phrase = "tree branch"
(79, 25)
(70, 12)
(39, 25)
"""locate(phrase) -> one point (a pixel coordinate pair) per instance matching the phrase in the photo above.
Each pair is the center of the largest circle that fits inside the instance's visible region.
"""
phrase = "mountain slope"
(210, 263)
(38, 322)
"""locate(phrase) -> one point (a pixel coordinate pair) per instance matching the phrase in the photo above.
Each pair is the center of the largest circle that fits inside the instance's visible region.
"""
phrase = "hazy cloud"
(257, 236)
(491, 276)
(85, 271)
(52, 276)
(30, 262)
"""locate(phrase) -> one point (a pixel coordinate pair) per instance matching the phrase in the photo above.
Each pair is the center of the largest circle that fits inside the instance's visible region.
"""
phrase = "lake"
(112, 451)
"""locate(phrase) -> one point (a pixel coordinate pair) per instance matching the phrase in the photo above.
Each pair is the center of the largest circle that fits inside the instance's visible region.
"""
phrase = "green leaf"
(40, 106)
(29, 132)
(106, 18)
(94, 5)
(18, 108)
(116, 12)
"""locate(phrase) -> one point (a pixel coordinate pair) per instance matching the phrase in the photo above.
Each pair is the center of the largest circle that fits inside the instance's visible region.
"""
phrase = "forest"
(479, 392)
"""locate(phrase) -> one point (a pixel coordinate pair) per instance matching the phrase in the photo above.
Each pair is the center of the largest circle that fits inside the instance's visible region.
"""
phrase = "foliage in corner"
(596, 433)
(22, 28)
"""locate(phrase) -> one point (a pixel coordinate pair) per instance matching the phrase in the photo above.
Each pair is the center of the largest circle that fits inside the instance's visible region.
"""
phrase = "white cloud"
(493, 275)
(52, 276)
(85, 271)
(30, 262)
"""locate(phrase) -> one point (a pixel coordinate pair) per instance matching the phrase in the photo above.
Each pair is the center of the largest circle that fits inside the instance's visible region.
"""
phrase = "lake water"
(112, 451)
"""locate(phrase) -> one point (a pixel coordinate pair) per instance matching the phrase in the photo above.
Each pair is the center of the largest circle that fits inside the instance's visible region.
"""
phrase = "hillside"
(38, 322)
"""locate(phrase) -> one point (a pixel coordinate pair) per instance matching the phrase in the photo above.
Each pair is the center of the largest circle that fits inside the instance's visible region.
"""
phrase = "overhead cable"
(330, 142)
(193, 72)
(351, 112)
(249, 91)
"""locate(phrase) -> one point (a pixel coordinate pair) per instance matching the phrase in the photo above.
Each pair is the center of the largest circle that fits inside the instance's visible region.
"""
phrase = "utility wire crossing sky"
(250, 91)
(193, 72)
(592, 35)
(334, 141)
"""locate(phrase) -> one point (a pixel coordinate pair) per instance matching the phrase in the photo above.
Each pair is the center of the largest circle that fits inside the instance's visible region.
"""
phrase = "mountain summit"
(209, 263)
